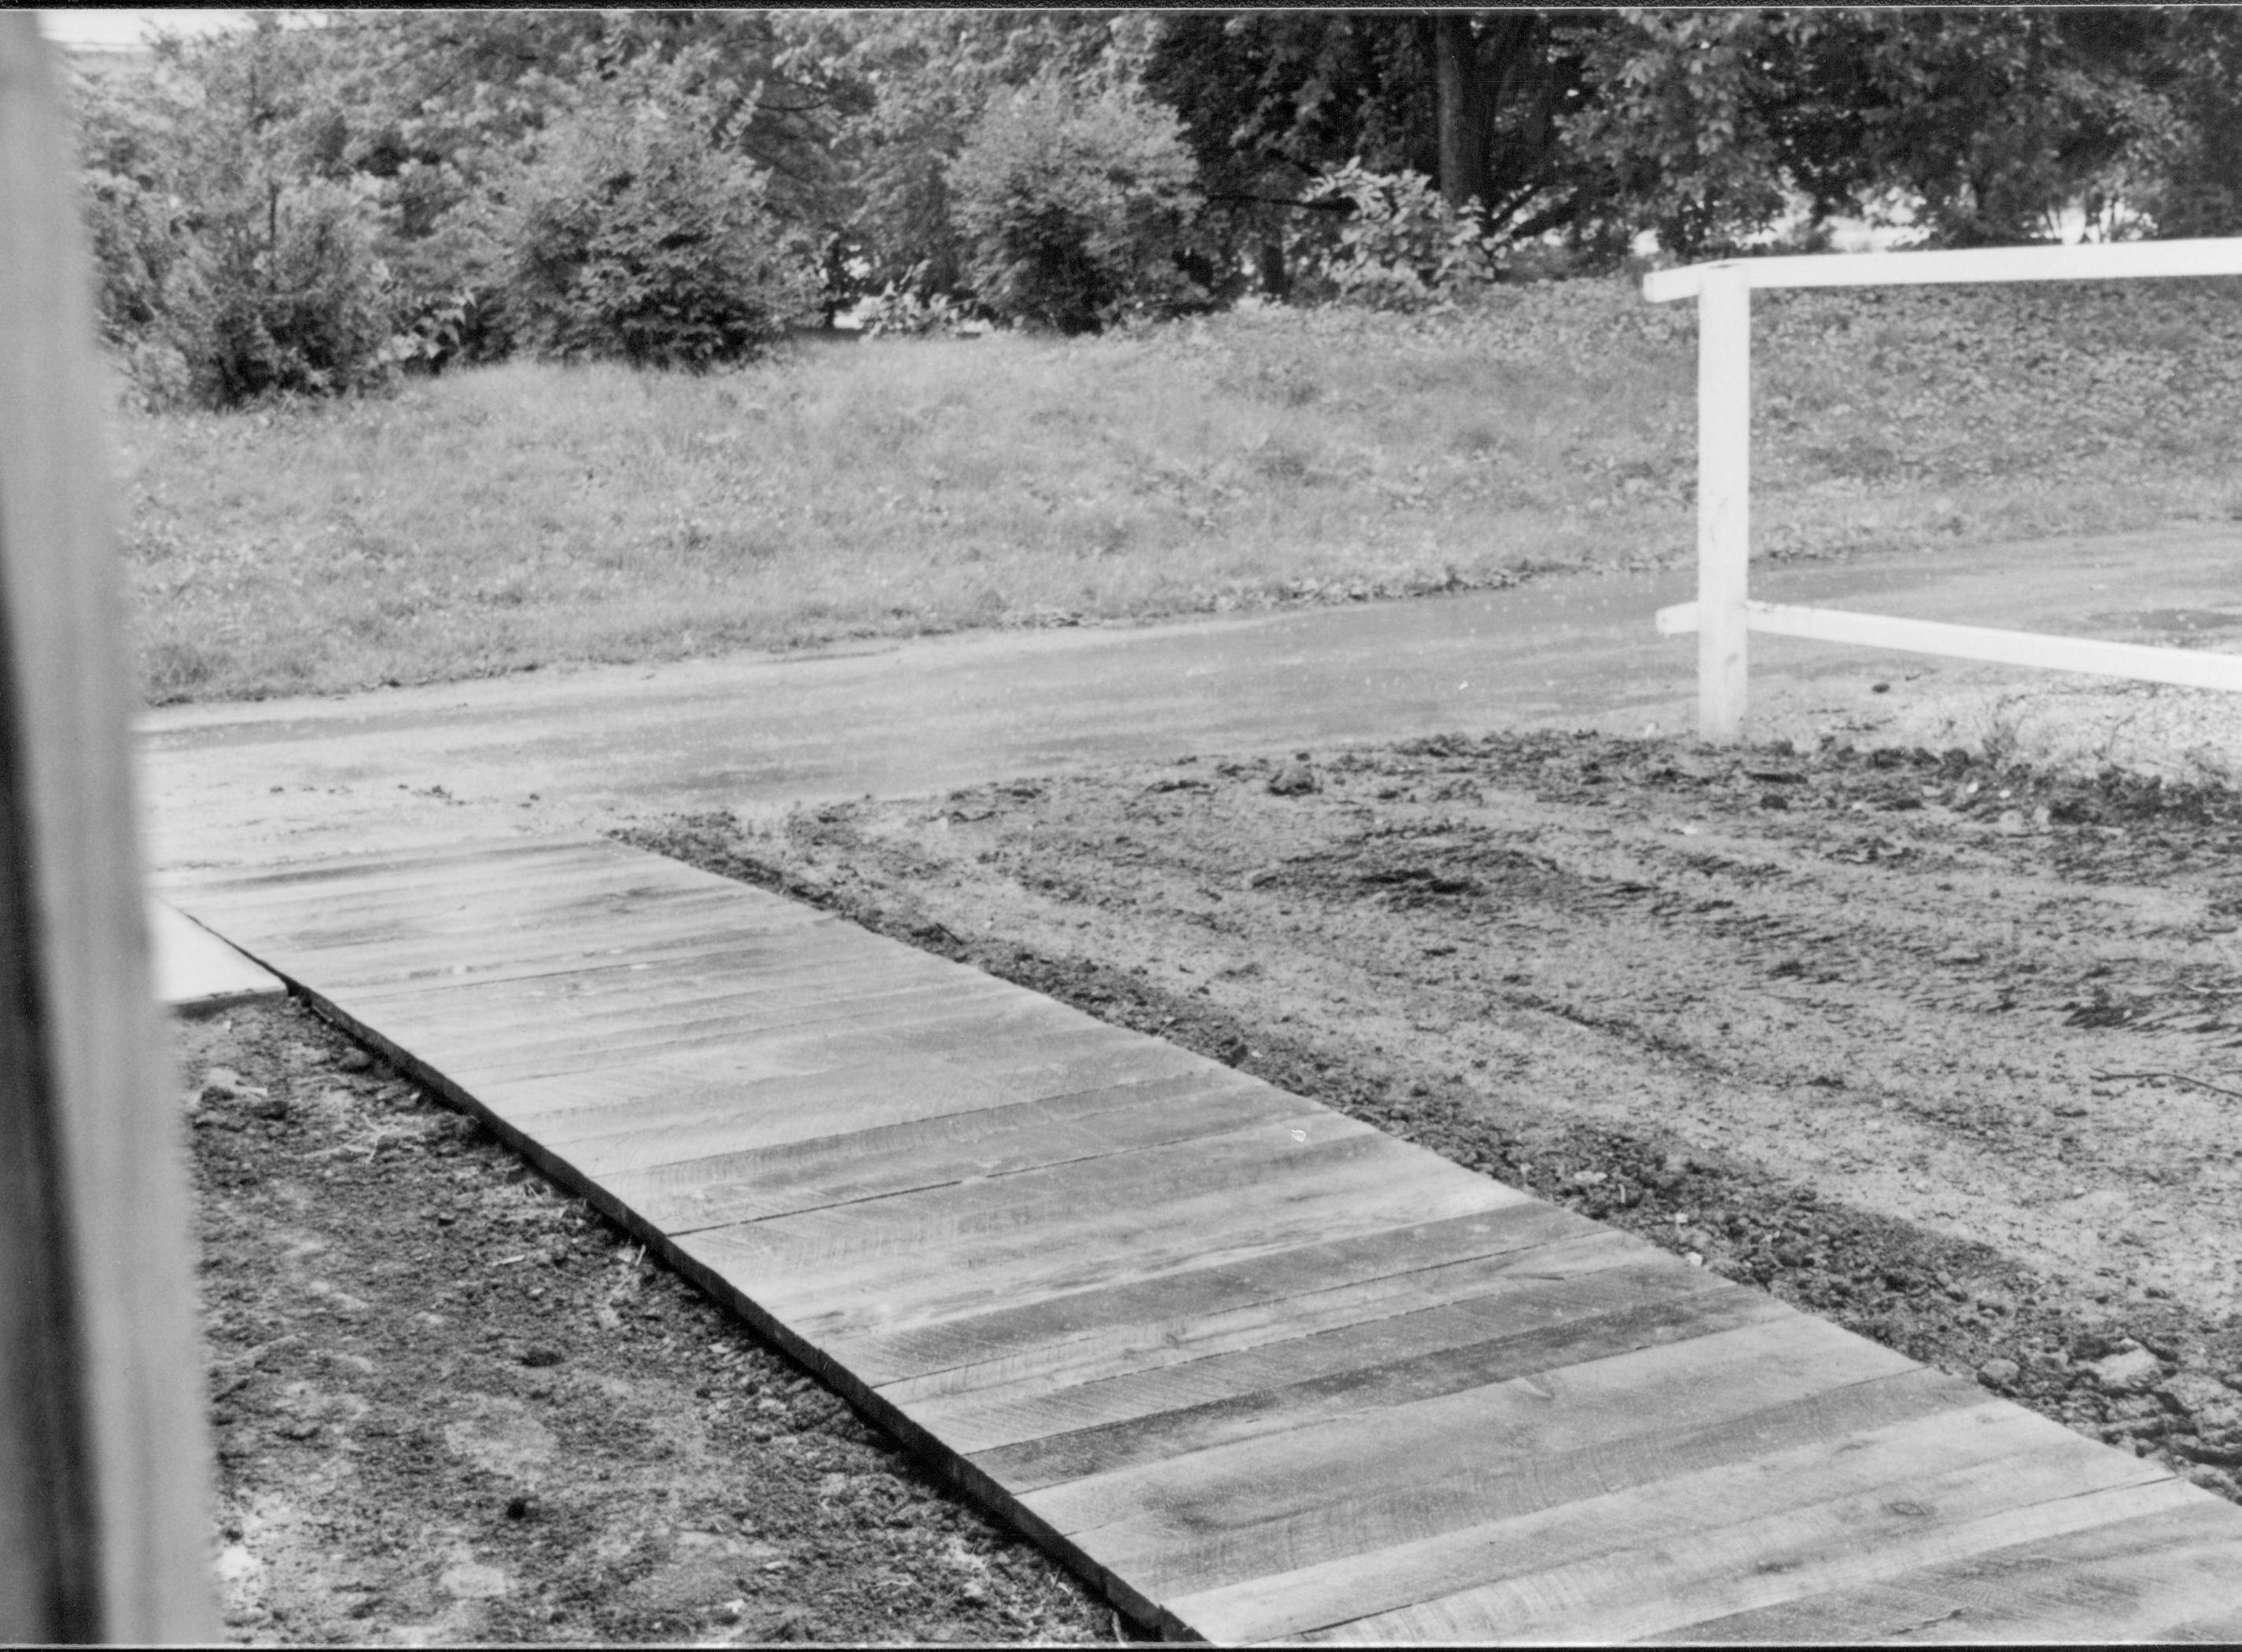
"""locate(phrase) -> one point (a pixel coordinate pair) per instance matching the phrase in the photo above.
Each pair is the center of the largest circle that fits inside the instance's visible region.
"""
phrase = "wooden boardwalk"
(1256, 1369)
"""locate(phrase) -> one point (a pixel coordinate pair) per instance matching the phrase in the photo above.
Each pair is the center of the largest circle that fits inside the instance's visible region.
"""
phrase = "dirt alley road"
(576, 750)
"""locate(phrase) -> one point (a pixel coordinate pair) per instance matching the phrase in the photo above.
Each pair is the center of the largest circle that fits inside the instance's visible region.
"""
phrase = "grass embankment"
(528, 514)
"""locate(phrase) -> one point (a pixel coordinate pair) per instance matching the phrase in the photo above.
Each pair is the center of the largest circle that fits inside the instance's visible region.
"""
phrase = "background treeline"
(323, 200)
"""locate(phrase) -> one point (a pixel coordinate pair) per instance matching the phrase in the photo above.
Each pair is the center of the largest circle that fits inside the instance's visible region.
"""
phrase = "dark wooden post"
(103, 1447)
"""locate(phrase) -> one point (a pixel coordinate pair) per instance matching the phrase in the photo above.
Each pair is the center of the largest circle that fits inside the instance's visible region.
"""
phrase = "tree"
(2186, 171)
(1681, 126)
(1273, 100)
(236, 259)
(909, 86)
(1987, 123)
(640, 229)
(1075, 207)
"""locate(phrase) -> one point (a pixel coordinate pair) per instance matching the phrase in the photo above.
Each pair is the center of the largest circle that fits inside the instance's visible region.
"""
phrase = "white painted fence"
(1723, 615)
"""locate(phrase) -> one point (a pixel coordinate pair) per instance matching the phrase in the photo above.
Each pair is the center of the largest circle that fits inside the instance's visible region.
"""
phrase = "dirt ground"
(1941, 1048)
(451, 1405)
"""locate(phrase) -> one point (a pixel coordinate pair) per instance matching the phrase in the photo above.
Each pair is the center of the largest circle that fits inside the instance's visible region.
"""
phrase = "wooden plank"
(755, 1183)
(498, 863)
(659, 1124)
(1487, 1298)
(2162, 1577)
(382, 983)
(1147, 1416)
(391, 918)
(2084, 261)
(572, 966)
(699, 1078)
(986, 1034)
(1764, 1522)
(944, 1226)
(104, 1446)
(575, 877)
(478, 932)
(901, 1287)
(1142, 1326)
(1240, 1511)
(983, 1010)
(663, 1010)
(1799, 1552)
(1332, 1386)
(807, 1125)
(1482, 1488)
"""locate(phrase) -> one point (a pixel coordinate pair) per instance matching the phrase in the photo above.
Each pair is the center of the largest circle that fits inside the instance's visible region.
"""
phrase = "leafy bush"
(1401, 247)
(233, 262)
(900, 311)
(1078, 207)
(638, 232)
(280, 295)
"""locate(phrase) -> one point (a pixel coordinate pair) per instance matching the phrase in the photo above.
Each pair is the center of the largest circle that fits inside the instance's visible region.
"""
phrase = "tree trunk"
(1466, 111)
(1276, 279)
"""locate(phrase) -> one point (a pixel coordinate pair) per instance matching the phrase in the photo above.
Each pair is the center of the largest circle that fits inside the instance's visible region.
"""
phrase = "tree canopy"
(325, 197)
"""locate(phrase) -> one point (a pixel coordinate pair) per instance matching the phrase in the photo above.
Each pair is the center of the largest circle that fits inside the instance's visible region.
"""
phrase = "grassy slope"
(526, 514)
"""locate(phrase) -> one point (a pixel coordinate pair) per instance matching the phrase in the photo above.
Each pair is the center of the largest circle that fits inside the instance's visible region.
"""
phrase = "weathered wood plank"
(959, 1225)
(292, 883)
(1143, 1418)
(566, 960)
(1491, 1489)
(667, 1011)
(899, 1110)
(702, 1077)
(978, 1012)
(1255, 1369)
(898, 1287)
(752, 1184)
(1798, 1552)
(620, 889)
(1335, 1278)
(499, 863)
(361, 947)
(654, 1125)
(2162, 1577)
(566, 970)
(1237, 1511)
(1762, 1524)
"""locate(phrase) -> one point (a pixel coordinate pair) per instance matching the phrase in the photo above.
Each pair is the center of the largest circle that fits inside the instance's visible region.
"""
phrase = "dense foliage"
(320, 200)
(638, 230)
(1076, 206)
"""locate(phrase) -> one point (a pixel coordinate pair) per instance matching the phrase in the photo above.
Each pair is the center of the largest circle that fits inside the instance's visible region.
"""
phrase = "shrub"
(638, 232)
(279, 296)
(898, 311)
(1077, 206)
(230, 262)
(1401, 247)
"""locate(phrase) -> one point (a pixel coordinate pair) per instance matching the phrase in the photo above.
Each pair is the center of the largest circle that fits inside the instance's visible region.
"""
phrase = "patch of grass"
(527, 515)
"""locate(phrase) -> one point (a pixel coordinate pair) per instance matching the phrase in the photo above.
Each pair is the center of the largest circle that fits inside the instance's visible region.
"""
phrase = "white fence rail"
(1723, 615)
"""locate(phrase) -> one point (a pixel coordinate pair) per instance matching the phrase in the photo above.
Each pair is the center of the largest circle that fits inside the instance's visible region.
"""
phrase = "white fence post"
(1723, 616)
(1723, 501)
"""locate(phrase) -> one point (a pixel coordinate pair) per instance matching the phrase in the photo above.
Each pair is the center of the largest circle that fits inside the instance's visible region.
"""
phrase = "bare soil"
(453, 1405)
(1941, 1050)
